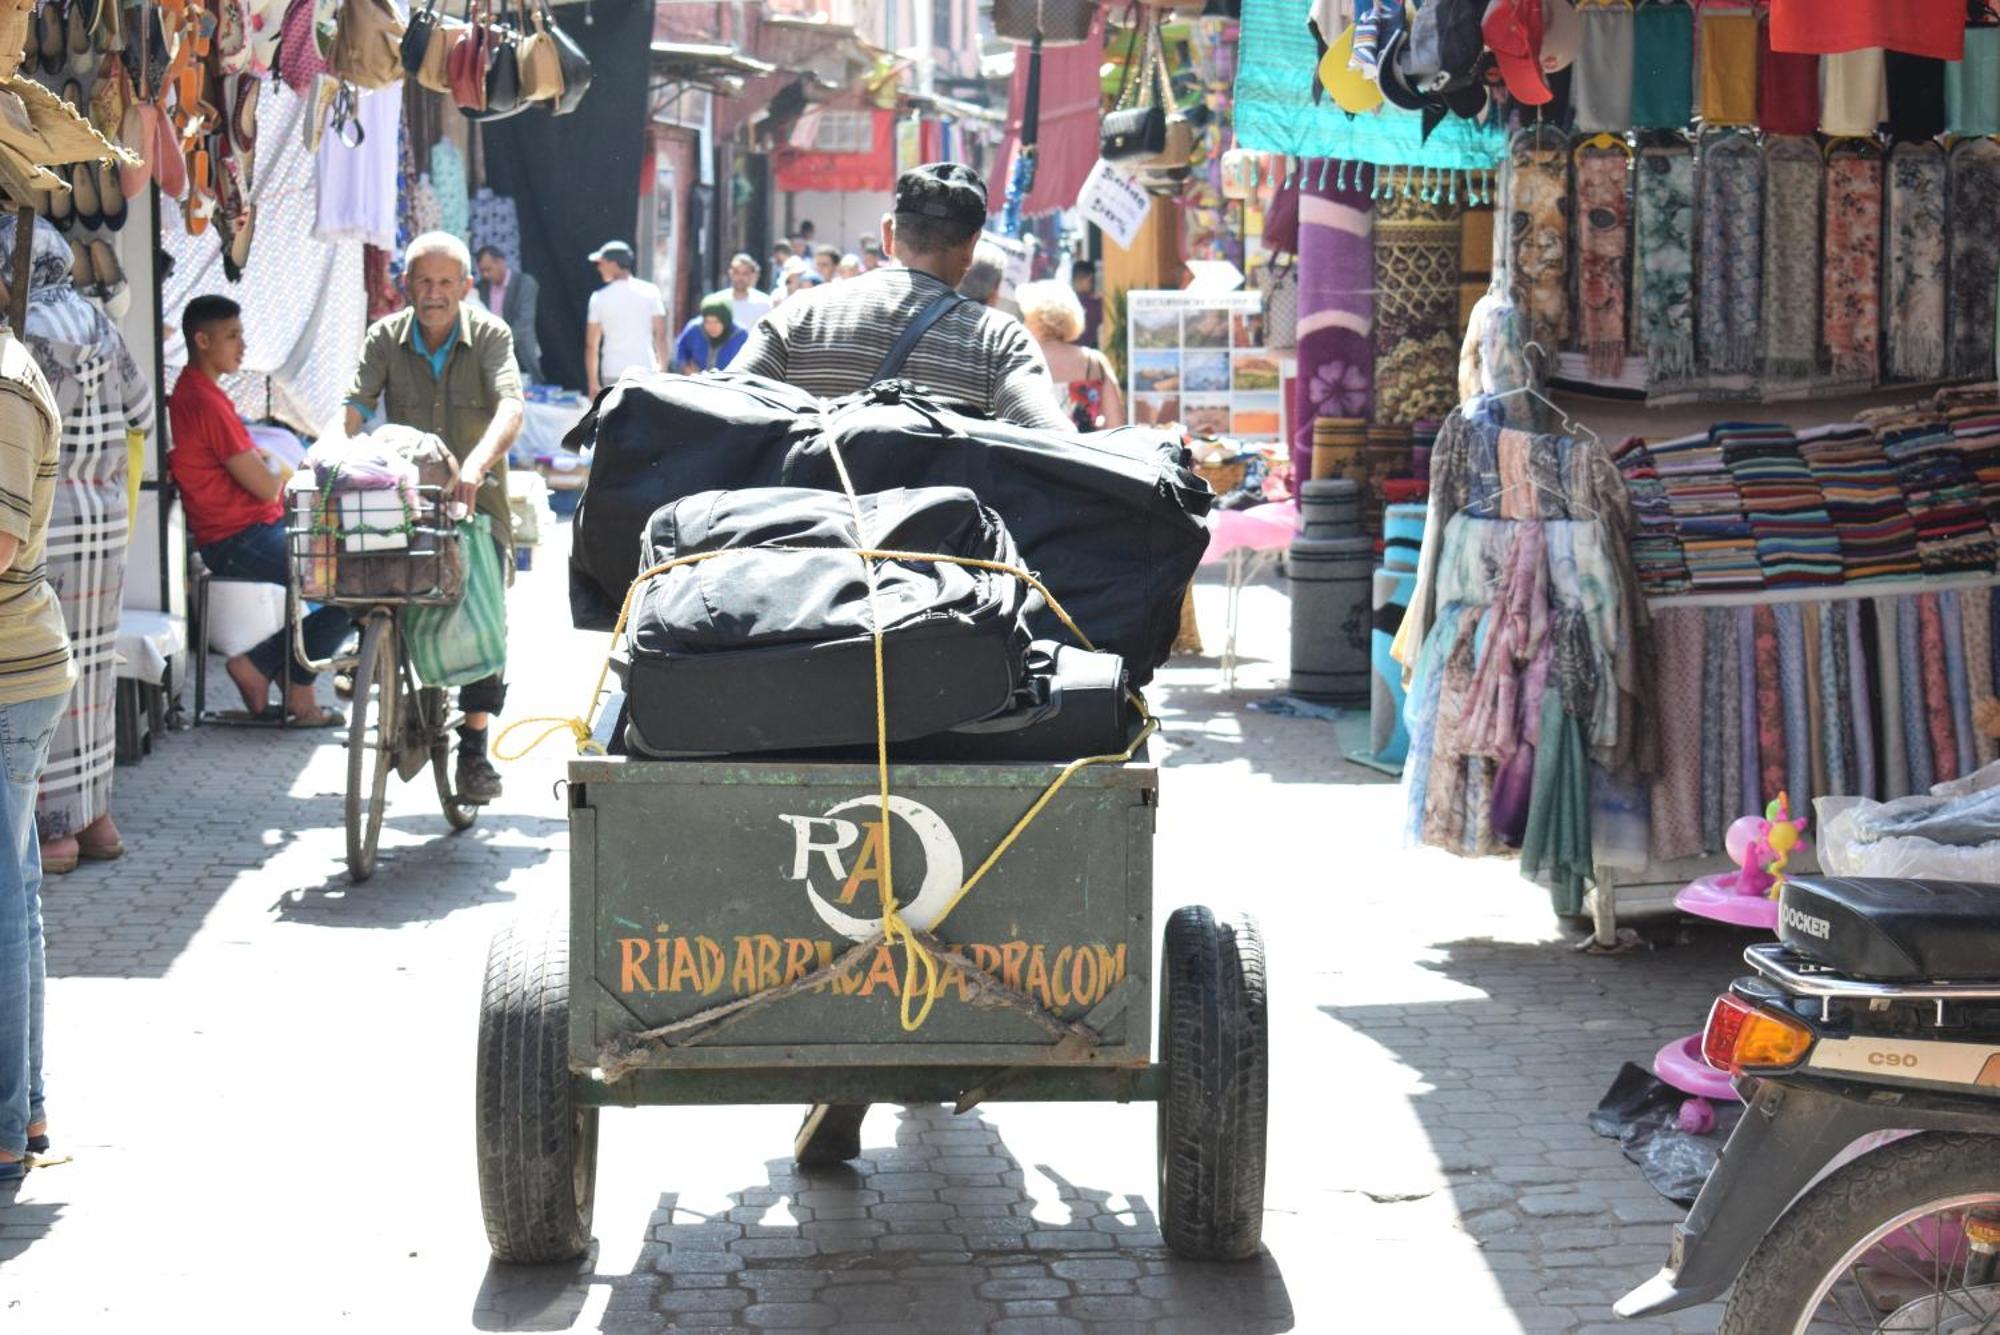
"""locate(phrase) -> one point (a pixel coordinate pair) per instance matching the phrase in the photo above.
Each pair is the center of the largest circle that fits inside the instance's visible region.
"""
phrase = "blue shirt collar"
(438, 358)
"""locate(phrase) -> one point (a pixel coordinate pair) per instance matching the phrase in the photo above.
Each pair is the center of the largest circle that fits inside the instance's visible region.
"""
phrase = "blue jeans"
(25, 730)
(258, 553)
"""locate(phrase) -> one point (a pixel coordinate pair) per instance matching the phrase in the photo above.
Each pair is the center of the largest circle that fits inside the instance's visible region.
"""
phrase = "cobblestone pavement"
(265, 1077)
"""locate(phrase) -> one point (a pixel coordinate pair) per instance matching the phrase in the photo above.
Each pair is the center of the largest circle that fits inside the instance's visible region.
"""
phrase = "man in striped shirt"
(831, 340)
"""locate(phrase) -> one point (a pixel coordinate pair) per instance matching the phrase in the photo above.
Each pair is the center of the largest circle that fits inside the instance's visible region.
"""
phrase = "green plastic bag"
(466, 642)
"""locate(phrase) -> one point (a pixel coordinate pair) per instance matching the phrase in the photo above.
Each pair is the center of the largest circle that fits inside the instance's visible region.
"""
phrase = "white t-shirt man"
(751, 307)
(625, 309)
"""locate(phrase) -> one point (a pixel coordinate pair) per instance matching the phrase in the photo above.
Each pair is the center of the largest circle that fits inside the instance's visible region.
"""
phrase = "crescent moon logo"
(944, 869)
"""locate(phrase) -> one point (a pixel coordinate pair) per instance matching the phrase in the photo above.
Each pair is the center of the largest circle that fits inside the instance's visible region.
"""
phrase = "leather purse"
(418, 35)
(465, 66)
(541, 64)
(367, 44)
(1136, 126)
(575, 66)
(435, 72)
(1058, 22)
(503, 67)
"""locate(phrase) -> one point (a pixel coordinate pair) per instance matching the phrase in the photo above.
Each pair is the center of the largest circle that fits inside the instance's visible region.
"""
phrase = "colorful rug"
(1336, 353)
(1416, 309)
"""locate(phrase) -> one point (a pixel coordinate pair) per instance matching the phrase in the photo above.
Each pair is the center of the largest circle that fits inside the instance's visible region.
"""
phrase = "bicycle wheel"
(437, 711)
(371, 743)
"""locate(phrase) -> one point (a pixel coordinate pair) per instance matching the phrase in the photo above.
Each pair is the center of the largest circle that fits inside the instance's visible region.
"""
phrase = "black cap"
(949, 191)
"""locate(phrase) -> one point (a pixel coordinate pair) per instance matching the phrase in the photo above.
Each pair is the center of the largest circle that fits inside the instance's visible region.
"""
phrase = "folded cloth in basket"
(770, 648)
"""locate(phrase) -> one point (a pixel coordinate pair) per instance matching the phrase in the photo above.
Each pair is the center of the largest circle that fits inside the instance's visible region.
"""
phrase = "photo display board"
(1198, 358)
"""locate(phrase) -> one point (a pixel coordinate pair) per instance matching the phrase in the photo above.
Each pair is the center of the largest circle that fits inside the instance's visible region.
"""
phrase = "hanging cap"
(1394, 73)
(1513, 31)
(1562, 35)
(1352, 90)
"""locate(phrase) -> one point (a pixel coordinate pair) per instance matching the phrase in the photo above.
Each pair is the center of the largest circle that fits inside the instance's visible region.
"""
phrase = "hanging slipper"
(110, 97)
(51, 37)
(80, 276)
(200, 201)
(243, 127)
(169, 162)
(108, 28)
(110, 195)
(77, 30)
(89, 208)
(62, 204)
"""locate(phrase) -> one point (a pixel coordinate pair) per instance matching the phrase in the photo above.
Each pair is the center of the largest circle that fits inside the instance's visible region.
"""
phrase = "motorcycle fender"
(1788, 1135)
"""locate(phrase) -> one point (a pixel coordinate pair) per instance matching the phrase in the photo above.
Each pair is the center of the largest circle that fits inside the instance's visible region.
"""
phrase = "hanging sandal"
(200, 208)
(110, 195)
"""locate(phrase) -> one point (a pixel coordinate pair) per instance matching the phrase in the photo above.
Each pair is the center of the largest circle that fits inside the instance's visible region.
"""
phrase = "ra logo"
(840, 863)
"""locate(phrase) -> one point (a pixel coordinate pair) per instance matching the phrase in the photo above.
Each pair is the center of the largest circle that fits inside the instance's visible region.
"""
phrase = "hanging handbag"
(1167, 171)
(367, 44)
(575, 66)
(299, 60)
(503, 67)
(541, 65)
(1280, 286)
(435, 72)
(1136, 127)
(1059, 22)
(422, 30)
(465, 66)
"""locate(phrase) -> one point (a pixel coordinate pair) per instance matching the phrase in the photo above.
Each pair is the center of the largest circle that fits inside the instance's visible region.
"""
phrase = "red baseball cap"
(1513, 32)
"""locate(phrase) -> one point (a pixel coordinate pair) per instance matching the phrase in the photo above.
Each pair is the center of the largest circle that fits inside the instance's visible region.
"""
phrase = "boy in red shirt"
(231, 491)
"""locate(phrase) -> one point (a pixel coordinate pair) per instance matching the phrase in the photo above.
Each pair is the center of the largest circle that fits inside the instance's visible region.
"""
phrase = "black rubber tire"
(436, 706)
(1788, 1265)
(537, 1146)
(1215, 1055)
(370, 749)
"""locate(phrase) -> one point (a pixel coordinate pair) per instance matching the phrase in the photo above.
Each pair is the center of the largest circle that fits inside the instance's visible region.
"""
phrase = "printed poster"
(1198, 358)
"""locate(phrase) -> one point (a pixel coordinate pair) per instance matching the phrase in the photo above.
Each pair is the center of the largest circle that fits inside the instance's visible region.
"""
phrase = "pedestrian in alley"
(102, 395)
(1085, 386)
(513, 297)
(826, 262)
(710, 340)
(747, 305)
(447, 367)
(36, 672)
(627, 321)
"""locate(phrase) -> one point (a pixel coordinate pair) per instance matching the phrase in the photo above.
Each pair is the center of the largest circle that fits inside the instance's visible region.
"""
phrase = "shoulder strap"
(941, 305)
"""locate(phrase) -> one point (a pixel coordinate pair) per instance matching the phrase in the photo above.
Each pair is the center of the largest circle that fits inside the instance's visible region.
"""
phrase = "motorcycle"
(1861, 1190)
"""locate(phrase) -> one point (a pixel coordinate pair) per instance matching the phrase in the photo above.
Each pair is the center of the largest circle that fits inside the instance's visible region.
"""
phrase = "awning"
(872, 169)
(720, 69)
(1067, 140)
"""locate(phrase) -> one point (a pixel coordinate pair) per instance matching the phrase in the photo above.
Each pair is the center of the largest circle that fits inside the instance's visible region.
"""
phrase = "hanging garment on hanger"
(1603, 261)
(1916, 96)
(1851, 303)
(1918, 255)
(1974, 166)
(1662, 67)
(1728, 54)
(1539, 229)
(1730, 285)
(1663, 239)
(1601, 82)
(1920, 27)
(1853, 92)
(1972, 85)
(1787, 89)
(1793, 171)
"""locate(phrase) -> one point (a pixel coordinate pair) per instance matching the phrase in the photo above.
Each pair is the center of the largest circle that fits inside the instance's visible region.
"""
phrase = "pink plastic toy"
(1762, 846)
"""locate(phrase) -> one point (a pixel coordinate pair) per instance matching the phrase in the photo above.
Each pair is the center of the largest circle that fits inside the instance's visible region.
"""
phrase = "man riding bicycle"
(447, 367)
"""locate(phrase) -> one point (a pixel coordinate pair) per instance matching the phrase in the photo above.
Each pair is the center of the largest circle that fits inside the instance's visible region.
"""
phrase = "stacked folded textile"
(1796, 541)
(1716, 539)
(1878, 539)
(1656, 546)
(1975, 429)
(1953, 533)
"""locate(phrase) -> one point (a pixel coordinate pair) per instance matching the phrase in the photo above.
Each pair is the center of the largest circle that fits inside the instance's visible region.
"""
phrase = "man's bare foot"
(254, 686)
(302, 706)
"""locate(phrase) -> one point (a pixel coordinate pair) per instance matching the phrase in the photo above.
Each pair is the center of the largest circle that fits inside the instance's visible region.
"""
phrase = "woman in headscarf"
(102, 394)
(708, 341)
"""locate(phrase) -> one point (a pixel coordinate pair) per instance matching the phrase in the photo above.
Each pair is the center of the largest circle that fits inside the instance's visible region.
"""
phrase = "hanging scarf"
(1917, 256)
(1854, 92)
(1601, 88)
(1916, 96)
(1850, 318)
(1728, 49)
(1787, 89)
(1416, 309)
(1336, 271)
(1680, 638)
(1538, 238)
(1972, 86)
(1601, 257)
(1732, 253)
(1664, 243)
(1770, 706)
(1792, 172)
(1975, 253)
(1663, 67)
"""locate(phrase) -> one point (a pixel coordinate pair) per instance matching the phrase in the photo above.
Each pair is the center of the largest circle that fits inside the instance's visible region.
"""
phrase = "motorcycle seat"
(1886, 930)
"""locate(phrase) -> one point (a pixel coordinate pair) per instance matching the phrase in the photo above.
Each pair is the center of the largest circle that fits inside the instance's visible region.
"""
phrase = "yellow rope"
(895, 930)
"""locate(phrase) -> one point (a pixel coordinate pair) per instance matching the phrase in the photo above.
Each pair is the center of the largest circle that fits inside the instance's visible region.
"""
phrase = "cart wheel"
(436, 706)
(537, 1148)
(1215, 1058)
(371, 744)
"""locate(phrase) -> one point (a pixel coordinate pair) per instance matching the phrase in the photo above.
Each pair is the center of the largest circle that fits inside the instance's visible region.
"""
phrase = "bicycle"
(394, 721)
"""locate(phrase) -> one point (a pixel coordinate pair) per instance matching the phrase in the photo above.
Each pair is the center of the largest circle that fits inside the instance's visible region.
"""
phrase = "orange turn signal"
(1741, 1037)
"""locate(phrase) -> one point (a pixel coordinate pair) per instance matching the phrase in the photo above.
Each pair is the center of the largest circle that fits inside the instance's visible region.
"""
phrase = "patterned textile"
(102, 394)
(1520, 622)
(1975, 253)
(1858, 714)
(1937, 690)
(1835, 728)
(1602, 256)
(1732, 253)
(1792, 174)
(1851, 311)
(1538, 239)
(1889, 662)
(1750, 770)
(1916, 719)
(1917, 256)
(1955, 675)
(1718, 708)
(1388, 738)
(1336, 356)
(1976, 611)
(1444, 804)
(1809, 614)
(448, 179)
(426, 209)
(1664, 246)
(1792, 690)
(1416, 257)
(1770, 709)
(497, 223)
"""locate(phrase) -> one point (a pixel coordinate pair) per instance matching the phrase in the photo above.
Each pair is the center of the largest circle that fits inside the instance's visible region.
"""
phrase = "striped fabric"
(830, 341)
(34, 651)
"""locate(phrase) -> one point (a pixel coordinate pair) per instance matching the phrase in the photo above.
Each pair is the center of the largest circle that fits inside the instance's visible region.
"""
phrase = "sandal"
(200, 208)
(58, 864)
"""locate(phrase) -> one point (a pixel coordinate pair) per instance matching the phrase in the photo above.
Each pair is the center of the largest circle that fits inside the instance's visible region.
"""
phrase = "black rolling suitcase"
(770, 650)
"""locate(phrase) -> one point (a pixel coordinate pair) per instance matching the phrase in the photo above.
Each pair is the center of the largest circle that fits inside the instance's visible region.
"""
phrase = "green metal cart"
(724, 946)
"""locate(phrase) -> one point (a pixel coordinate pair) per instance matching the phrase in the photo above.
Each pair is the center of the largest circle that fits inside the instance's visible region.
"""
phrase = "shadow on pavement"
(427, 880)
(1504, 1077)
(937, 1235)
(23, 1223)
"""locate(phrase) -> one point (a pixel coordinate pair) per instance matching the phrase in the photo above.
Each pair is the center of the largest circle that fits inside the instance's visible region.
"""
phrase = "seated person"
(708, 341)
(232, 492)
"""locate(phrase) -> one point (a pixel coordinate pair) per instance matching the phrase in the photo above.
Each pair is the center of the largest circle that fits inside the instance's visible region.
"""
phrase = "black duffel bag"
(772, 650)
(658, 438)
(1110, 521)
